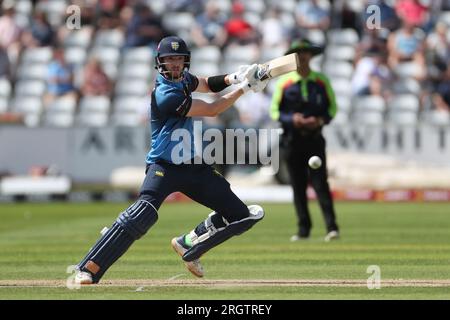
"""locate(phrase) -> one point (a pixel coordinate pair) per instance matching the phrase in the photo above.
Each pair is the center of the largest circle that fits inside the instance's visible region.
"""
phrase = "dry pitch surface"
(229, 283)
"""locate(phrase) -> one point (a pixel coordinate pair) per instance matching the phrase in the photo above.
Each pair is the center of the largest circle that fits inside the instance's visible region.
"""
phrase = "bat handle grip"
(261, 73)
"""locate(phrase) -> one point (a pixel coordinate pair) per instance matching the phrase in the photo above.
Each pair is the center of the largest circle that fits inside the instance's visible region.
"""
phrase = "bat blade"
(277, 67)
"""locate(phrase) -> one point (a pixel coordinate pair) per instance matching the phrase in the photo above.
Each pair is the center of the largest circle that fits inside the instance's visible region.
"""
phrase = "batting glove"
(259, 85)
(244, 72)
(245, 86)
(255, 86)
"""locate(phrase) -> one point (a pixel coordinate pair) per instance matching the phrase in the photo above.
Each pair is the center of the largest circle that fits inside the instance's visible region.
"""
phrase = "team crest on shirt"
(175, 45)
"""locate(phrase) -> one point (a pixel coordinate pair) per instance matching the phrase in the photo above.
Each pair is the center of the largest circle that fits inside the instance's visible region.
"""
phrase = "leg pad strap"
(138, 218)
(212, 235)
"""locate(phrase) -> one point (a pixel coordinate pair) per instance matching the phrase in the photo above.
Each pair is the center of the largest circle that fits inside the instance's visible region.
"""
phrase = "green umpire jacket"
(311, 96)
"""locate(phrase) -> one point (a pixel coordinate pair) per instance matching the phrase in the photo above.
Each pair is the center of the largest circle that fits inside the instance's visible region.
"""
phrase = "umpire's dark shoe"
(180, 247)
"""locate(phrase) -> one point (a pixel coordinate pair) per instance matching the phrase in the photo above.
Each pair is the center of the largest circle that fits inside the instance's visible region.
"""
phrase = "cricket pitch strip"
(230, 283)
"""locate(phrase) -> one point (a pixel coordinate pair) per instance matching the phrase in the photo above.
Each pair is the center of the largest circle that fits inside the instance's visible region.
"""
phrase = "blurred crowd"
(405, 51)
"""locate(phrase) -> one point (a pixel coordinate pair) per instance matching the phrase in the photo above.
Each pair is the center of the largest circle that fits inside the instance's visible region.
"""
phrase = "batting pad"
(110, 247)
(213, 236)
(131, 224)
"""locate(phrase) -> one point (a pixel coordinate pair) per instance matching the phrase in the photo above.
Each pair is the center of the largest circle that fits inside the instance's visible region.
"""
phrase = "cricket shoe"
(83, 277)
(296, 238)
(332, 235)
(194, 266)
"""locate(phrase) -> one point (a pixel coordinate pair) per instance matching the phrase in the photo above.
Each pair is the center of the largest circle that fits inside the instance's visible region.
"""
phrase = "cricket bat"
(277, 67)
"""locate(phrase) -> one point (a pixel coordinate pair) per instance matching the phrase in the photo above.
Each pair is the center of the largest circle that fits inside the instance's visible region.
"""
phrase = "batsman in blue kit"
(172, 108)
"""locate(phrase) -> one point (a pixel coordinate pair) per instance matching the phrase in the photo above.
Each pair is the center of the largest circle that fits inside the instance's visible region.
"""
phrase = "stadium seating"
(316, 36)
(4, 102)
(406, 86)
(344, 103)
(341, 118)
(342, 69)
(79, 38)
(287, 20)
(126, 119)
(127, 87)
(61, 119)
(369, 103)
(341, 86)
(210, 54)
(37, 55)
(62, 105)
(92, 119)
(106, 54)
(23, 7)
(176, 21)
(138, 55)
(60, 112)
(158, 6)
(94, 104)
(407, 70)
(30, 88)
(5, 88)
(127, 111)
(139, 71)
(30, 107)
(132, 69)
(286, 6)
(369, 110)
(341, 52)
(131, 104)
(438, 118)
(253, 18)
(256, 6)
(405, 102)
(75, 55)
(27, 105)
(274, 52)
(109, 38)
(403, 110)
(370, 118)
(32, 71)
(204, 69)
(403, 118)
(55, 10)
(316, 62)
(241, 54)
(445, 17)
(347, 37)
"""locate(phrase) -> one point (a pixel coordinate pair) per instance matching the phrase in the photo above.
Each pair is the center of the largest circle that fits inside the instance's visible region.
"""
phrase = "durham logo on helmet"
(175, 45)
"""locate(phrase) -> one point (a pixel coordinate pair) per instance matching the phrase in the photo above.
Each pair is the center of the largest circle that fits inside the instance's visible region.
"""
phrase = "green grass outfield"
(408, 241)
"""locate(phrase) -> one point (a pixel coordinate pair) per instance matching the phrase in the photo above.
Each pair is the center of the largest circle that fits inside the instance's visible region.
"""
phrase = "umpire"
(303, 102)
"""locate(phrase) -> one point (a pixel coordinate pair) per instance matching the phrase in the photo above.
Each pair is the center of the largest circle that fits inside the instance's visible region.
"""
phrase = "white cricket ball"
(314, 162)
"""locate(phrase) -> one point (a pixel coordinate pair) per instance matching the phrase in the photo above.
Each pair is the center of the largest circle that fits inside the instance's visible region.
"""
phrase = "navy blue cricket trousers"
(200, 182)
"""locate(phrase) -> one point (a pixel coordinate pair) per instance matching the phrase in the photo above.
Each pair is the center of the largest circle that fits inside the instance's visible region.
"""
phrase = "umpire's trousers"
(297, 153)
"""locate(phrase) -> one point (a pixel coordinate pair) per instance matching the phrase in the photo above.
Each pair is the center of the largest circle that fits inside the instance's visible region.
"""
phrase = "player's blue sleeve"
(193, 82)
(174, 102)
